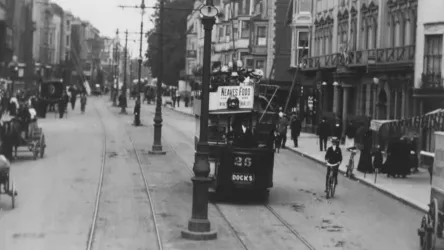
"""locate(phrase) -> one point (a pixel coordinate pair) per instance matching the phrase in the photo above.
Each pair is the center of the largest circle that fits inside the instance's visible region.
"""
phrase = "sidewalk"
(413, 191)
(182, 109)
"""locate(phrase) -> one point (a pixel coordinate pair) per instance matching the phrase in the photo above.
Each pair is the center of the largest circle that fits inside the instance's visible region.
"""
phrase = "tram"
(241, 134)
(431, 231)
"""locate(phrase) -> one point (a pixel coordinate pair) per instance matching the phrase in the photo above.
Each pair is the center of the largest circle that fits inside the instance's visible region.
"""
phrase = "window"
(261, 36)
(242, 55)
(432, 54)
(244, 7)
(221, 34)
(258, 7)
(245, 32)
(68, 40)
(260, 64)
(303, 46)
(228, 30)
(305, 5)
(236, 30)
(303, 40)
(249, 63)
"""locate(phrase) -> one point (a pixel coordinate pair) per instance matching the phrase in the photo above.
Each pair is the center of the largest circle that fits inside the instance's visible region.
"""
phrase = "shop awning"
(375, 125)
(434, 120)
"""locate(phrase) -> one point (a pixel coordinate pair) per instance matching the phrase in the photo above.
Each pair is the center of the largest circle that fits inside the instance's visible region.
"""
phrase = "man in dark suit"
(333, 158)
(296, 126)
(323, 133)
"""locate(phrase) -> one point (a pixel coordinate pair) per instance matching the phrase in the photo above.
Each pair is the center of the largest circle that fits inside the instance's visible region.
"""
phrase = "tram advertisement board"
(245, 95)
(438, 162)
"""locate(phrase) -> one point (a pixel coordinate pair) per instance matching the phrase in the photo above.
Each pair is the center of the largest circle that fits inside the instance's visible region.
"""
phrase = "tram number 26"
(243, 161)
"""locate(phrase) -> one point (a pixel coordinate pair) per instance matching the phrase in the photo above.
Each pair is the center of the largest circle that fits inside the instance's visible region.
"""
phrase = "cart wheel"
(12, 193)
(42, 145)
(35, 151)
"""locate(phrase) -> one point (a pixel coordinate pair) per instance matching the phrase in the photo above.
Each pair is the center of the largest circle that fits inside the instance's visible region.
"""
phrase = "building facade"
(360, 59)
(428, 81)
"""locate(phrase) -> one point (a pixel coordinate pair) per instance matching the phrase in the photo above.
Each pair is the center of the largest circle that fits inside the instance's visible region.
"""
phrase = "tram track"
(93, 227)
(268, 208)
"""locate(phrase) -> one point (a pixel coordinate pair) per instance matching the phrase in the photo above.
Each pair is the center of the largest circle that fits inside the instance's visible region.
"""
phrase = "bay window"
(245, 29)
(261, 36)
(433, 54)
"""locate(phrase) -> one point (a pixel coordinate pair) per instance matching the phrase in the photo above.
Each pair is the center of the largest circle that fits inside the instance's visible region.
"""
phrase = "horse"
(10, 138)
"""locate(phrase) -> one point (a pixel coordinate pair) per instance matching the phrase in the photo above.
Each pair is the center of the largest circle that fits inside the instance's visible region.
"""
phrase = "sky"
(107, 17)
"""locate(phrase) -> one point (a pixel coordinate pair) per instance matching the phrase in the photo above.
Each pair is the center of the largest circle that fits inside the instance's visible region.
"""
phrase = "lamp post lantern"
(199, 227)
(157, 144)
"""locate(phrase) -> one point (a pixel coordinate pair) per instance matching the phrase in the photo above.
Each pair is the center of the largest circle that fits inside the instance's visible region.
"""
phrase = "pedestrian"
(337, 131)
(173, 98)
(187, 100)
(63, 103)
(350, 134)
(137, 112)
(178, 98)
(73, 99)
(295, 126)
(13, 106)
(282, 129)
(365, 159)
(323, 133)
(83, 103)
(377, 159)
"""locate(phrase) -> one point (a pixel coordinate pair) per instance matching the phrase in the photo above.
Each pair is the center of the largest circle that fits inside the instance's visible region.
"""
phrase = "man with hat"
(333, 158)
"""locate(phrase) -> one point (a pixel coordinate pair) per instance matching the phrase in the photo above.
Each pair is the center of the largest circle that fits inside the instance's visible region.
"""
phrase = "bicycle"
(331, 182)
(351, 162)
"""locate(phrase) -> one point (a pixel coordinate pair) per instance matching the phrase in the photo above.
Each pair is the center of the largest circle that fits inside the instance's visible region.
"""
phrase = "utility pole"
(142, 7)
(124, 99)
(116, 90)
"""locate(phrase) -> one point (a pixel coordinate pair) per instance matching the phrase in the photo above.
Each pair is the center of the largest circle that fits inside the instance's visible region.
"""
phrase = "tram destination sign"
(245, 95)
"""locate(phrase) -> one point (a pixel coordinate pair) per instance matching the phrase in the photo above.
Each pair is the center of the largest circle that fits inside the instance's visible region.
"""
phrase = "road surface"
(57, 195)
(357, 218)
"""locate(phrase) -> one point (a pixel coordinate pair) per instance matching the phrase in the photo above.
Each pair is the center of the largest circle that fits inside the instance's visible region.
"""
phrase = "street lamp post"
(124, 87)
(157, 144)
(199, 227)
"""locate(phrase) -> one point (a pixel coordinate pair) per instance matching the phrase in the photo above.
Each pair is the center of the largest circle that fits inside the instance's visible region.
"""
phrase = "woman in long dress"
(365, 160)
(350, 134)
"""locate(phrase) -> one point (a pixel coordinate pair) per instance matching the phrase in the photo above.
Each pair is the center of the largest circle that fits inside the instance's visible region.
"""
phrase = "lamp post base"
(192, 235)
(123, 112)
(156, 150)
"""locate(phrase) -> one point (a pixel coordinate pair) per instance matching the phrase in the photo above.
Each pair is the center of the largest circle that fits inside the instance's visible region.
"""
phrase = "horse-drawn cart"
(431, 232)
(30, 135)
(6, 183)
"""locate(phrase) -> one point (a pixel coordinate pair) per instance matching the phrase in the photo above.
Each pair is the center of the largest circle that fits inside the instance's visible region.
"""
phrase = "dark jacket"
(333, 156)
(324, 129)
(351, 131)
(282, 125)
(378, 159)
(295, 126)
(337, 131)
